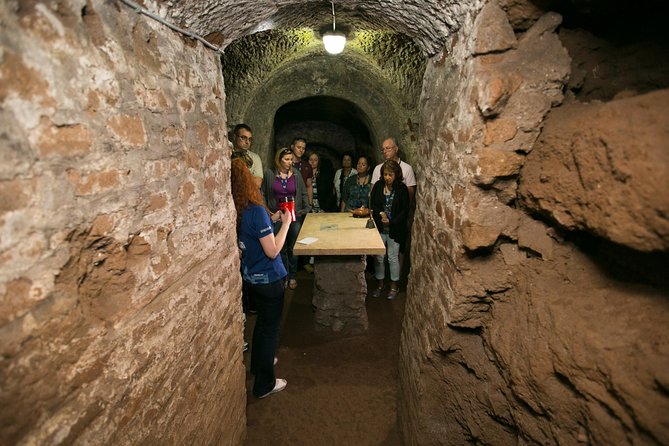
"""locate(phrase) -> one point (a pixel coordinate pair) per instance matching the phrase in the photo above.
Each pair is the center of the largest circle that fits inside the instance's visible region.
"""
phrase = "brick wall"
(120, 320)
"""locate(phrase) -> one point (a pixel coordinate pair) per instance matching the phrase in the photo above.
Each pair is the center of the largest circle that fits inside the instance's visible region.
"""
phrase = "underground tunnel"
(536, 306)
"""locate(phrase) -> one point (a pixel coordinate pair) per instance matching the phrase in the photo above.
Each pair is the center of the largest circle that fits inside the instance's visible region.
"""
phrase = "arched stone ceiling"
(428, 22)
(352, 78)
(250, 61)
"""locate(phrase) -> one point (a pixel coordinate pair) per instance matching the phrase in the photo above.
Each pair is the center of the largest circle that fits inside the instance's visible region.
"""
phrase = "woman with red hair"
(263, 273)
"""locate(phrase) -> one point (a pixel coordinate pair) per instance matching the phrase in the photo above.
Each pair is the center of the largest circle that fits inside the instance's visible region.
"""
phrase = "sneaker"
(279, 385)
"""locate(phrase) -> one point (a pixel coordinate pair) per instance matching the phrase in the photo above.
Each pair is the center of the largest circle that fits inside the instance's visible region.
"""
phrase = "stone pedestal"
(340, 291)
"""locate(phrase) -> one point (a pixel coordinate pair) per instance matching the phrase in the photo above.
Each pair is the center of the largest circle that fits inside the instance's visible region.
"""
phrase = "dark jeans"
(289, 260)
(268, 301)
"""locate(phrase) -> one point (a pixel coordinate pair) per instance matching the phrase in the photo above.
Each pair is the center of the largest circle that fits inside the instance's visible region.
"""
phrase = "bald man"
(391, 152)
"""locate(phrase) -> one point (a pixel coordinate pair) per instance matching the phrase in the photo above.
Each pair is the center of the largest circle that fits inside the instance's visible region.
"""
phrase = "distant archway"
(330, 125)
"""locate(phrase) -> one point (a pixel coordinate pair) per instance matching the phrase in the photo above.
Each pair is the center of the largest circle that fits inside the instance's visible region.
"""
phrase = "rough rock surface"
(598, 167)
(520, 330)
(339, 294)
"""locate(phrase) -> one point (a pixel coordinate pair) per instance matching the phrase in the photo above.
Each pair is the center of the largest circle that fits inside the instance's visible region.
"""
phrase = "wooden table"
(340, 288)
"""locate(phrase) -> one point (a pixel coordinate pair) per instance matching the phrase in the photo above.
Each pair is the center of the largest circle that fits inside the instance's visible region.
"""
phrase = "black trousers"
(268, 302)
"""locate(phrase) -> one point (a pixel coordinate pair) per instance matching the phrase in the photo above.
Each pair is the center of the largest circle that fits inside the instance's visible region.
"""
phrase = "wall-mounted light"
(334, 41)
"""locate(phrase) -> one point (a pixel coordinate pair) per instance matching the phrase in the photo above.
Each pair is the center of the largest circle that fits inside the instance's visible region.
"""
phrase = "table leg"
(340, 290)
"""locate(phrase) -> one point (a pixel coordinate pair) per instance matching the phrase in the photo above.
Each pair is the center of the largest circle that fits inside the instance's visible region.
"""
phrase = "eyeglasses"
(286, 151)
(245, 138)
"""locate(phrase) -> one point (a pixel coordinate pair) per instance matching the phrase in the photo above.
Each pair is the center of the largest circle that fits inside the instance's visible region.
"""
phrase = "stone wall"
(120, 320)
(380, 73)
(537, 307)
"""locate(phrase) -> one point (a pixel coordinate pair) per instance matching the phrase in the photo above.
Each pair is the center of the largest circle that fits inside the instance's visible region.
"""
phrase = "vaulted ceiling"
(427, 22)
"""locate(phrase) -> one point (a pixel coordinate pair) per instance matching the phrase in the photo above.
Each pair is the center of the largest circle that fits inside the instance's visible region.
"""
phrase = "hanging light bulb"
(334, 41)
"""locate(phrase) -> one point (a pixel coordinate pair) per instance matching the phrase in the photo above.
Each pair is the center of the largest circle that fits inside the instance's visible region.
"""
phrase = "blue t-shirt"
(257, 268)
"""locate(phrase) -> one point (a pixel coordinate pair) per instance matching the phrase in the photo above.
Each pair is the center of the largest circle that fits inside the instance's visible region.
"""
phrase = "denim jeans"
(393, 251)
(268, 301)
(289, 260)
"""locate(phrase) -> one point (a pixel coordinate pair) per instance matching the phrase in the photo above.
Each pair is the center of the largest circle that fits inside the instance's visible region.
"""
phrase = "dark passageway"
(537, 305)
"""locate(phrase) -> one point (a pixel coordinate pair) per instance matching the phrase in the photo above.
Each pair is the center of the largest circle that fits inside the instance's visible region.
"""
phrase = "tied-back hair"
(277, 157)
(394, 167)
(244, 189)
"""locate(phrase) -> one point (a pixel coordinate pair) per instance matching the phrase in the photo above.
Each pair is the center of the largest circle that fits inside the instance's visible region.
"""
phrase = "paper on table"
(307, 240)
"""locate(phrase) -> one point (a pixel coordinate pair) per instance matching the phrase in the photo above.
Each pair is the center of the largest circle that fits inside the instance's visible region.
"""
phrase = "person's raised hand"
(285, 217)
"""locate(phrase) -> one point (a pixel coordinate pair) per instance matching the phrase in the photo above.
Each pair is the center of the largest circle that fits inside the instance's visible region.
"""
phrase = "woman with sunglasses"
(285, 182)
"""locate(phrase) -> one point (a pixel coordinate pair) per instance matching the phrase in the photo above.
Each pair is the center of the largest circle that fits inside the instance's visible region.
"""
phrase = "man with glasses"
(391, 152)
(242, 140)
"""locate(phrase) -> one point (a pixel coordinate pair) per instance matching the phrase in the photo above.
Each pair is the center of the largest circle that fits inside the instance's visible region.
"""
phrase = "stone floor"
(341, 390)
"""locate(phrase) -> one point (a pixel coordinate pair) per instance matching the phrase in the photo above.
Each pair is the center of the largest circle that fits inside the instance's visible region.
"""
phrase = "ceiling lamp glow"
(334, 41)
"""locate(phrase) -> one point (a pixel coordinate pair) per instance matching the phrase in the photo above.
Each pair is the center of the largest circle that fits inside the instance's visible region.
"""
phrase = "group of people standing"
(266, 236)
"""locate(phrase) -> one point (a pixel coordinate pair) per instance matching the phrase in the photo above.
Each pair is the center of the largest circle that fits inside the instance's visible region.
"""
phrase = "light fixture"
(334, 41)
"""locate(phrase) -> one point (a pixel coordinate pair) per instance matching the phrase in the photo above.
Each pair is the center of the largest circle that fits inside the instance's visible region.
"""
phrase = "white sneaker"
(279, 385)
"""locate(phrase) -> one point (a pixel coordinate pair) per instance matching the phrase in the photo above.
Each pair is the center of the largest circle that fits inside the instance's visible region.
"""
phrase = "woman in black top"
(389, 201)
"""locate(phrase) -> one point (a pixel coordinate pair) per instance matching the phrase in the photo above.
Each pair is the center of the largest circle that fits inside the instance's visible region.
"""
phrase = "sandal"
(292, 284)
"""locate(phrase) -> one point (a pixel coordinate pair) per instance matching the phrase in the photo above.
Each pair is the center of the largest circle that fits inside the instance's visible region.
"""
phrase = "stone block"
(494, 33)
(533, 235)
(499, 130)
(511, 254)
(14, 195)
(522, 14)
(64, 140)
(26, 82)
(494, 163)
(128, 128)
(339, 295)
(486, 220)
(93, 182)
(494, 91)
(547, 23)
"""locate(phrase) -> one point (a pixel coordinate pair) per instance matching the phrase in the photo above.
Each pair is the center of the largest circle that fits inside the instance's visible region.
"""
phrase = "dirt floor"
(341, 390)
